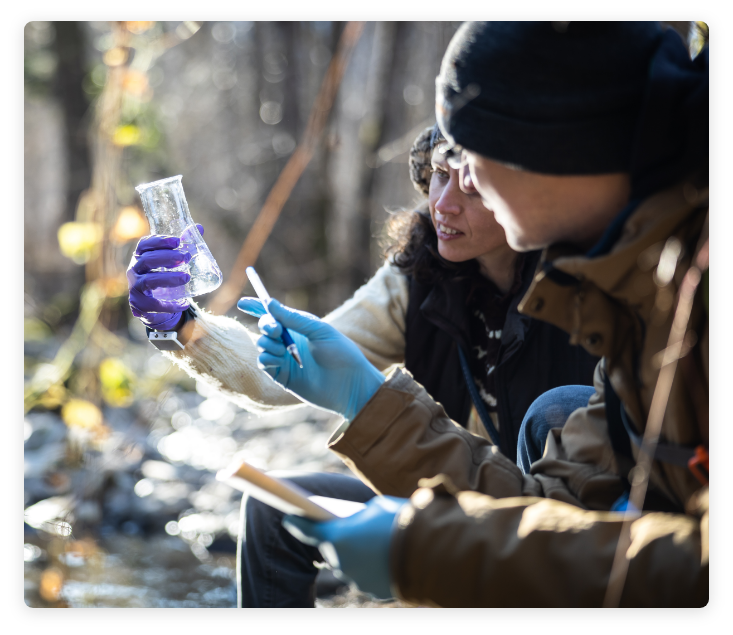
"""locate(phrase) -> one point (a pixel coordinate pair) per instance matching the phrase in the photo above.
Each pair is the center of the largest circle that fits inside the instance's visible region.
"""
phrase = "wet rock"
(37, 463)
(52, 484)
(120, 419)
(150, 495)
(88, 512)
(44, 429)
(167, 498)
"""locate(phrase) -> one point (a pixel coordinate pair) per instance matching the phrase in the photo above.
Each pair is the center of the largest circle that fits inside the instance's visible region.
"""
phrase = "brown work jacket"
(482, 533)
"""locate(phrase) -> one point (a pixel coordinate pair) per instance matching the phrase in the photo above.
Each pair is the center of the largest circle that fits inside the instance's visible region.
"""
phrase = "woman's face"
(465, 228)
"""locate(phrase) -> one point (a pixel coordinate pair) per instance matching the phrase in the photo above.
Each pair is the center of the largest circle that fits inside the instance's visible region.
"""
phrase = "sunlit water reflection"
(128, 572)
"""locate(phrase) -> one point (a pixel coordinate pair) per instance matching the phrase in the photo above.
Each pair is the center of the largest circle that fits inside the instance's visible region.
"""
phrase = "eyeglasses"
(453, 155)
(447, 103)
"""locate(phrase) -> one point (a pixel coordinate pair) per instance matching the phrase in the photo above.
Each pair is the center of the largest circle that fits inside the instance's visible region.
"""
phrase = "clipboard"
(284, 495)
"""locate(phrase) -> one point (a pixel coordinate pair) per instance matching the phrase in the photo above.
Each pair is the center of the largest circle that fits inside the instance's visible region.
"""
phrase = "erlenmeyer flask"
(167, 211)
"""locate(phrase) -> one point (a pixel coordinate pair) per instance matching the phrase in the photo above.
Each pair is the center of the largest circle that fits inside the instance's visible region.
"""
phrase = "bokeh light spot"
(52, 580)
(144, 487)
(172, 528)
(115, 56)
(271, 113)
(79, 241)
(413, 94)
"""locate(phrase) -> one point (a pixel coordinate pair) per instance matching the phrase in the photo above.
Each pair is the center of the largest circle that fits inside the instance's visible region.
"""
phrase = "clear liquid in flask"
(167, 212)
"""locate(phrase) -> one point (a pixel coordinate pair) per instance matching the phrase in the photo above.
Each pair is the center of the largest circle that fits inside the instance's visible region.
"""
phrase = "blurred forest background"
(121, 448)
(223, 104)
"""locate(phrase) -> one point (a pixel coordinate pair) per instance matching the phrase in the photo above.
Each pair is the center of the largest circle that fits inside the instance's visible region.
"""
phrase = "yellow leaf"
(139, 27)
(135, 82)
(117, 382)
(115, 56)
(78, 241)
(51, 582)
(53, 397)
(130, 224)
(80, 413)
(128, 135)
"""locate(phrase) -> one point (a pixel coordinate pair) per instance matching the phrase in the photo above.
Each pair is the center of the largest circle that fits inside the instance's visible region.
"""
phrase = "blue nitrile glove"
(148, 288)
(251, 306)
(358, 545)
(335, 375)
(623, 504)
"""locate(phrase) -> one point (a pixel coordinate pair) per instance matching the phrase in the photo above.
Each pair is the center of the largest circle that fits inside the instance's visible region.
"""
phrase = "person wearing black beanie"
(590, 141)
(618, 108)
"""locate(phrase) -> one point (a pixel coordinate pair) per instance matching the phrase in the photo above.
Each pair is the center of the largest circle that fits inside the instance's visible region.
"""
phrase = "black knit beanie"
(549, 97)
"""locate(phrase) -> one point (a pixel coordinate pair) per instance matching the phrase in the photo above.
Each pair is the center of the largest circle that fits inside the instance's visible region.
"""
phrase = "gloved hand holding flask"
(173, 263)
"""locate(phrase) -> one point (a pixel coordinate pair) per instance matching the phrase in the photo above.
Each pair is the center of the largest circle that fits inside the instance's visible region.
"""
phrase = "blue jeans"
(549, 410)
(275, 569)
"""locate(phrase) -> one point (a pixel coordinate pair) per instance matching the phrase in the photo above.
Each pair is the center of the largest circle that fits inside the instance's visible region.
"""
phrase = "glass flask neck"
(165, 206)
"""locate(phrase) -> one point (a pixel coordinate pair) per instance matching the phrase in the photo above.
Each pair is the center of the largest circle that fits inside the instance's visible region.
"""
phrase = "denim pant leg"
(549, 410)
(275, 569)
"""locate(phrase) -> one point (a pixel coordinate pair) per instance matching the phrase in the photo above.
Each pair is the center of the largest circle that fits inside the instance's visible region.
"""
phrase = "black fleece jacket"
(534, 356)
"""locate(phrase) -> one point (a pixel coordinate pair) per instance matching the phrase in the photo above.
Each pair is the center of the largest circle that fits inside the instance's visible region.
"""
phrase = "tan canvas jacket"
(481, 533)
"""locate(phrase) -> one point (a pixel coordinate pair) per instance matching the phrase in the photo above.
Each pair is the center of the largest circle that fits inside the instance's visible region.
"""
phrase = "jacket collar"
(562, 272)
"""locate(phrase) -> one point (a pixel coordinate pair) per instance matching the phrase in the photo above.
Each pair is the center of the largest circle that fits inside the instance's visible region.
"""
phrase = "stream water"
(139, 519)
(156, 572)
(126, 572)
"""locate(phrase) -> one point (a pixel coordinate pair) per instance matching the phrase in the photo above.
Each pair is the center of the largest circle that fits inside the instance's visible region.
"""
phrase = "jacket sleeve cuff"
(401, 581)
(392, 397)
(398, 391)
(377, 429)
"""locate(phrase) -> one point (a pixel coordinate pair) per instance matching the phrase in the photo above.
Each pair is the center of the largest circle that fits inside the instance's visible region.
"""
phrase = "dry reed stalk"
(640, 480)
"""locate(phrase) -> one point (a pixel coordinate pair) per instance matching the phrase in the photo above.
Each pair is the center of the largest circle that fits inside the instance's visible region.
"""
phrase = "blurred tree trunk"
(294, 54)
(67, 88)
(372, 135)
(314, 270)
(350, 248)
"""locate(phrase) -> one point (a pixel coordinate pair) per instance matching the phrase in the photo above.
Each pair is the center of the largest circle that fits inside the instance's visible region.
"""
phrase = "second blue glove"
(358, 546)
(335, 375)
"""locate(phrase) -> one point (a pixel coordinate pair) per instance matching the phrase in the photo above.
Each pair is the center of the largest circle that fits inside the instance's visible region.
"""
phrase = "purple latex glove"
(156, 297)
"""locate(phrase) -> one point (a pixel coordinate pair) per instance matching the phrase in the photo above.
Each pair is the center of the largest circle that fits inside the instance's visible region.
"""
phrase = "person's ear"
(464, 179)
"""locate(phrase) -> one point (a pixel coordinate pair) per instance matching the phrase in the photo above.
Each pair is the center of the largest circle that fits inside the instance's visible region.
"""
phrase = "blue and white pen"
(264, 298)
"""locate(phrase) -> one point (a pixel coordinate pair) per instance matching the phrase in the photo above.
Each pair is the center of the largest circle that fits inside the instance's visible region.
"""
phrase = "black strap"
(188, 315)
(675, 454)
(617, 432)
(622, 434)
(477, 401)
